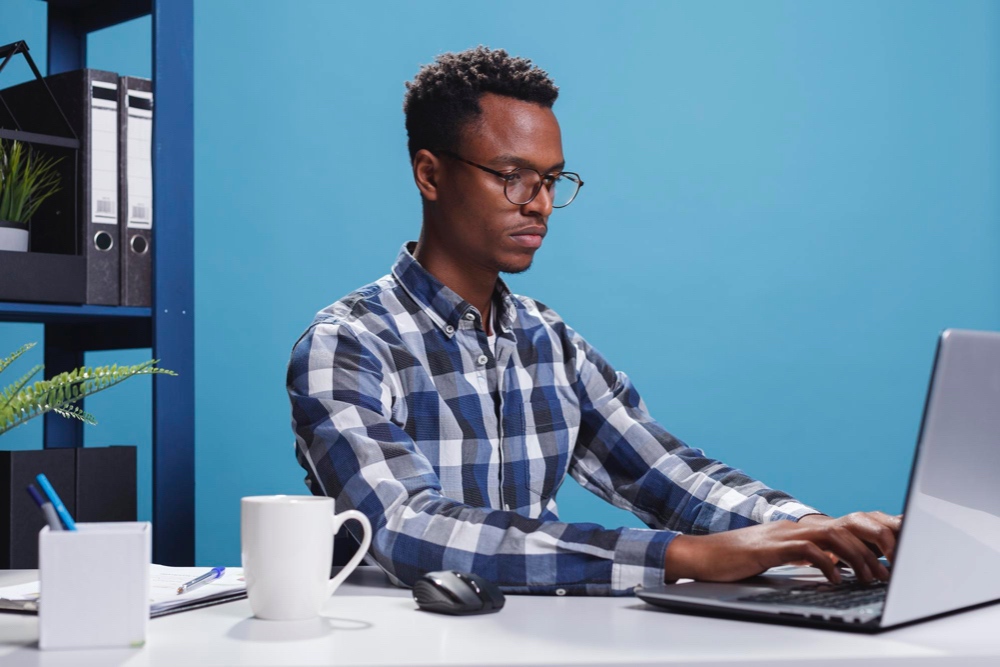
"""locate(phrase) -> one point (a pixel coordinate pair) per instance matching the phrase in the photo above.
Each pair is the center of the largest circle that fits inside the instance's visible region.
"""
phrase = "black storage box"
(41, 277)
(55, 268)
(95, 484)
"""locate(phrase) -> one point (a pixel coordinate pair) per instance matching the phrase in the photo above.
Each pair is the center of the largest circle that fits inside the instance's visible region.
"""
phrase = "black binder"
(105, 483)
(135, 189)
(20, 518)
(89, 98)
(95, 484)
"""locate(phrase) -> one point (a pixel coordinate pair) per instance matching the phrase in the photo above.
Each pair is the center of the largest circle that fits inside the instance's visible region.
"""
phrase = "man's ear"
(425, 173)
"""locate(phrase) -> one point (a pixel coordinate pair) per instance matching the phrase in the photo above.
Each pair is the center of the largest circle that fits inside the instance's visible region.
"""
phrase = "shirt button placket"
(482, 359)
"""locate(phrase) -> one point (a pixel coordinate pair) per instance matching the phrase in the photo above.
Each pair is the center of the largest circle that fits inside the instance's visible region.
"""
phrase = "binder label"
(104, 153)
(139, 156)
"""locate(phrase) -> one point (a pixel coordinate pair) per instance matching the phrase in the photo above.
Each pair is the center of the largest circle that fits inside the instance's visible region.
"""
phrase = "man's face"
(478, 224)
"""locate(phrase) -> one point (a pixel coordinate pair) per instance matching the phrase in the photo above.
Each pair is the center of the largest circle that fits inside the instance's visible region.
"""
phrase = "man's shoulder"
(369, 308)
(534, 309)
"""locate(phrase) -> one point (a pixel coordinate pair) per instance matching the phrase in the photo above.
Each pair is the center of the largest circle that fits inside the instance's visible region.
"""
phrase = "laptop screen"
(949, 547)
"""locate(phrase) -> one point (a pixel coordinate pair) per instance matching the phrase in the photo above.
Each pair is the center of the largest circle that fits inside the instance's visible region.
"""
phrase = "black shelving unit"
(168, 326)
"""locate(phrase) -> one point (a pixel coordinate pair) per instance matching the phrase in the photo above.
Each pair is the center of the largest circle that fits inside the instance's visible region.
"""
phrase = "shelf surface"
(47, 313)
(90, 15)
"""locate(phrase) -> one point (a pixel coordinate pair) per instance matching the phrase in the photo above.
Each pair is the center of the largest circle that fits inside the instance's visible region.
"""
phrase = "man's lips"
(529, 238)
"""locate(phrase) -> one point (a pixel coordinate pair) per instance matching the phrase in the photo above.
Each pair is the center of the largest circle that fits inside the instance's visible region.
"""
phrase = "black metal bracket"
(7, 52)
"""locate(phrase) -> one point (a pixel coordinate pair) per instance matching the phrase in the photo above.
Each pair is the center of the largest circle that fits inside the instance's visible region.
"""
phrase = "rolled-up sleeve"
(624, 456)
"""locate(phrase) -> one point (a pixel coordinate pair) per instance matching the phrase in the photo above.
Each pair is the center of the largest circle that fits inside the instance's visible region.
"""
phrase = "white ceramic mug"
(287, 545)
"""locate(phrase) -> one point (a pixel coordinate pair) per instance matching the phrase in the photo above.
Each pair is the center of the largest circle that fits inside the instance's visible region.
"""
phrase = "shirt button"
(560, 591)
(450, 329)
(482, 359)
(470, 316)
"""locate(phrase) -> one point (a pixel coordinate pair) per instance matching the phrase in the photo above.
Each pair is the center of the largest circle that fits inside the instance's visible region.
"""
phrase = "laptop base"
(777, 618)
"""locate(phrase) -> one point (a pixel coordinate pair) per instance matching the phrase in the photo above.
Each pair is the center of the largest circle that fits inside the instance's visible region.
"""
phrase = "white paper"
(25, 593)
(140, 164)
(104, 157)
(164, 582)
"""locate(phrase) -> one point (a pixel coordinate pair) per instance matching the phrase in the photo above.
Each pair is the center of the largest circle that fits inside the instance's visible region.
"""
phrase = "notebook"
(164, 580)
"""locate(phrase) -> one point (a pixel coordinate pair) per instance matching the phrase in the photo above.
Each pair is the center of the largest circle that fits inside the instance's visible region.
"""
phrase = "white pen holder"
(94, 585)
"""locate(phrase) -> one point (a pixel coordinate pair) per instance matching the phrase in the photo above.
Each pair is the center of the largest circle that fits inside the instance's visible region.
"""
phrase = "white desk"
(369, 622)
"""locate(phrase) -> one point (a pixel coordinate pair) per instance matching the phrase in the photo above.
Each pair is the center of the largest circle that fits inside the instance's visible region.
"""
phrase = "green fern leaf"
(10, 391)
(76, 413)
(22, 402)
(12, 358)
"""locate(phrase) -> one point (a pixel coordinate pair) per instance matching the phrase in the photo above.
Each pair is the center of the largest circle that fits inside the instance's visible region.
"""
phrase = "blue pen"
(56, 502)
(198, 582)
(51, 517)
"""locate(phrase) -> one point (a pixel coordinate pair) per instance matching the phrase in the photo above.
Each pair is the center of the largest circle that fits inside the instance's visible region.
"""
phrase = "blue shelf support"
(61, 354)
(67, 46)
(173, 282)
(70, 21)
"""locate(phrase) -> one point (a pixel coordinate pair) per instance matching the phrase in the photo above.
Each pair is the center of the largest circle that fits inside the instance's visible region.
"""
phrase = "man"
(450, 411)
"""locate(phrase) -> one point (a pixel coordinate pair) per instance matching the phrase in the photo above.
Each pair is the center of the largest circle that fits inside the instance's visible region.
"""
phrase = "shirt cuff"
(789, 511)
(640, 555)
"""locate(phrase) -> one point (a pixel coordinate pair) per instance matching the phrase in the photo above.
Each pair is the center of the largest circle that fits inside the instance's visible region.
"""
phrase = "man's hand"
(741, 553)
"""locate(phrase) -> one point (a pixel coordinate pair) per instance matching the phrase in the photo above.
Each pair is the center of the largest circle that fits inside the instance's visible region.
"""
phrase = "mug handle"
(338, 520)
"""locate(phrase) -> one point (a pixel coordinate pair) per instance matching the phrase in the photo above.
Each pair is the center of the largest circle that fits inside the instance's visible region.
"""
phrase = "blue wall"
(785, 203)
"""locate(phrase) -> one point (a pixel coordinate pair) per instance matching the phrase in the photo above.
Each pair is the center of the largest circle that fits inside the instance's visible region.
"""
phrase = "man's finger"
(803, 550)
(886, 533)
(842, 542)
(892, 521)
(874, 530)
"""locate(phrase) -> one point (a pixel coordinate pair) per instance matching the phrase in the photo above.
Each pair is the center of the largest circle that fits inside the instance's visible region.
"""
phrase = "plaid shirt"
(401, 410)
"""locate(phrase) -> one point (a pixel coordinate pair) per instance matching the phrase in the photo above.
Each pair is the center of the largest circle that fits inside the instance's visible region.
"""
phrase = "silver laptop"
(948, 553)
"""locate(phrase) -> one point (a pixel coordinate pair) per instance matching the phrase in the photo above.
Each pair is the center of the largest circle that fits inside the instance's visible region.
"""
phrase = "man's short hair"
(444, 96)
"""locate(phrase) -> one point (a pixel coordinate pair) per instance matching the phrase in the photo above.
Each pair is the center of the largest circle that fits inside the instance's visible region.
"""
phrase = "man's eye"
(514, 177)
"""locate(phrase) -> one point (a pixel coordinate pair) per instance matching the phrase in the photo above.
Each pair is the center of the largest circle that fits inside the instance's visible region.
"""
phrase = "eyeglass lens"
(523, 184)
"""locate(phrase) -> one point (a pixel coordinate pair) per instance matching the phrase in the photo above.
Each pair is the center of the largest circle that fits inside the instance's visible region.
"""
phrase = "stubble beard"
(514, 269)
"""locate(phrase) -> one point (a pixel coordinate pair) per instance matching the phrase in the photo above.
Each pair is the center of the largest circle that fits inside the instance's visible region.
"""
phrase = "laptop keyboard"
(846, 595)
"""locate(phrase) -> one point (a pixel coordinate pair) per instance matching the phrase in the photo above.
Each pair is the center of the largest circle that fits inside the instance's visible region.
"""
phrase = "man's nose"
(541, 204)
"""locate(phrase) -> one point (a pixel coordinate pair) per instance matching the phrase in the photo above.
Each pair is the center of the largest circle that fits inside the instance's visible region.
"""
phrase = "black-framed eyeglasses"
(522, 185)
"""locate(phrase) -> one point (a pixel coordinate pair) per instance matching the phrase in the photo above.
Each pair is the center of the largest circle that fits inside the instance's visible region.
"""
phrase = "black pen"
(51, 517)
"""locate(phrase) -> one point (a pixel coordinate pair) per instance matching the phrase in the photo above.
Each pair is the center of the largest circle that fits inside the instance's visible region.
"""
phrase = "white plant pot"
(13, 237)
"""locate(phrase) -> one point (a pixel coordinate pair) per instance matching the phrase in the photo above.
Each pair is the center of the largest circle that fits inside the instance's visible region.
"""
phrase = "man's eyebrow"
(522, 162)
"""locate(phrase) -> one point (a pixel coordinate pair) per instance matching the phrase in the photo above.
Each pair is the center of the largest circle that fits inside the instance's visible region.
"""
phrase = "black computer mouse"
(457, 593)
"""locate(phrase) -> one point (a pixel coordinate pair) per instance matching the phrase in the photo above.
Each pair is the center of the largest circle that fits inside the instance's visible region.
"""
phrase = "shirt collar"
(445, 307)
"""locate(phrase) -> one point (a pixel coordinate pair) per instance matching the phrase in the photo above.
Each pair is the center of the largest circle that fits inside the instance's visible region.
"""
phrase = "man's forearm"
(430, 532)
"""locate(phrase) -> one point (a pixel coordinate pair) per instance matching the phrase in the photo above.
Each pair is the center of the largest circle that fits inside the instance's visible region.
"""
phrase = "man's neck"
(473, 284)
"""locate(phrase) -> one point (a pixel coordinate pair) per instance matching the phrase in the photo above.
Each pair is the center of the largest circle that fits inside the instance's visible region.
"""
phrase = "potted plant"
(22, 401)
(27, 179)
